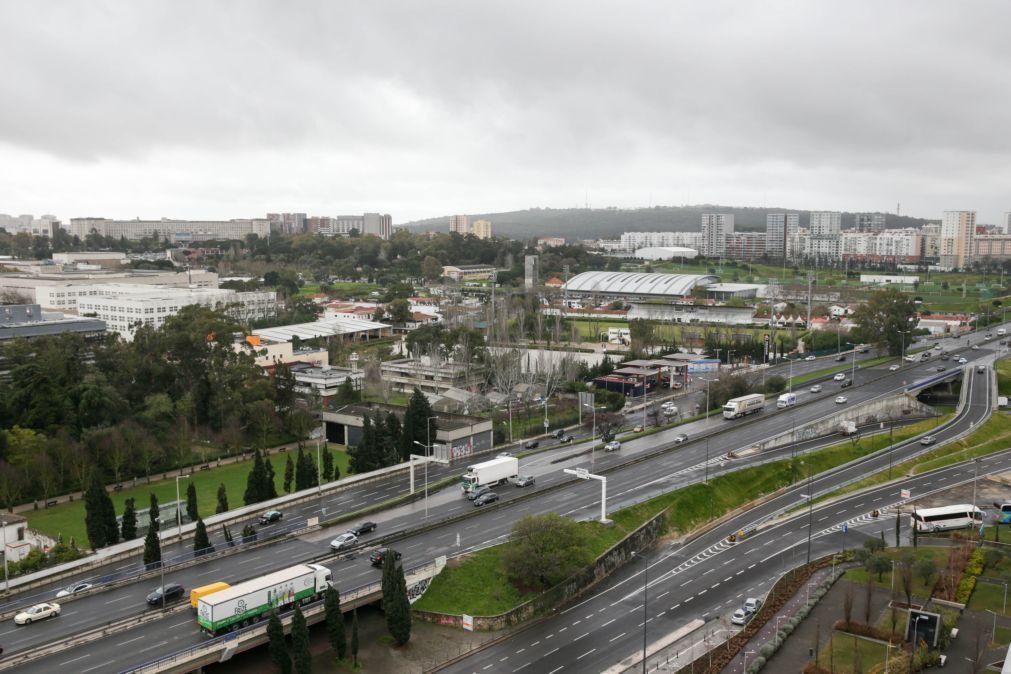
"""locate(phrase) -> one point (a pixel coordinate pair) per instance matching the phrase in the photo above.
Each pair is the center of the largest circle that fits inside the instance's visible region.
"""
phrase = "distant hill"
(609, 223)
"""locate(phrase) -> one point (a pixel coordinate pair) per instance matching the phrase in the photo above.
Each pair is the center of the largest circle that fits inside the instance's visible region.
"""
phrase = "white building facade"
(171, 231)
(715, 228)
(958, 228)
(780, 231)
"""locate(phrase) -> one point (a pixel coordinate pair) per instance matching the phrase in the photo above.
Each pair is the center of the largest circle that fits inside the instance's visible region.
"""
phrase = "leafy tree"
(300, 642)
(335, 622)
(346, 393)
(328, 466)
(289, 473)
(883, 317)
(924, 568)
(396, 605)
(154, 514)
(399, 311)
(192, 513)
(100, 515)
(354, 638)
(128, 528)
(201, 541)
(548, 549)
(277, 646)
(222, 500)
(152, 548)
(879, 564)
(431, 268)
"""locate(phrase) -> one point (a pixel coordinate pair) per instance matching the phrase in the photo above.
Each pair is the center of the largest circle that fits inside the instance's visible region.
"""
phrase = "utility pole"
(810, 281)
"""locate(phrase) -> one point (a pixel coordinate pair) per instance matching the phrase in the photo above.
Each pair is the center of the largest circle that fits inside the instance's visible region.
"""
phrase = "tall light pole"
(179, 510)
(708, 382)
(810, 513)
(791, 375)
(3, 525)
(645, 597)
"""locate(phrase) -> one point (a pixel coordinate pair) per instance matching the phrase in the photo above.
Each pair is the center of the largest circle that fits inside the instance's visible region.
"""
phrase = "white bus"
(946, 517)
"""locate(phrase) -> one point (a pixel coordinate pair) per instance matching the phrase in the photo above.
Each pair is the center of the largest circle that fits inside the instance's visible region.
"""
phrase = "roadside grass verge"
(1003, 368)
(850, 654)
(842, 367)
(67, 519)
(938, 555)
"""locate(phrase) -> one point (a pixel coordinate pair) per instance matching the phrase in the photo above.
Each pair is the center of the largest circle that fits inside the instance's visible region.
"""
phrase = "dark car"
(271, 516)
(480, 491)
(379, 556)
(485, 498)
(941, 368)
(558, 434)
(171, 592)
(566, 439)
(531, 444)
(846, 384)
(840, 357)
(363, 528)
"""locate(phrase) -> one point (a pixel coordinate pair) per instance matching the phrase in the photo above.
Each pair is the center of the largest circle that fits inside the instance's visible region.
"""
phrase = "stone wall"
(564, 592)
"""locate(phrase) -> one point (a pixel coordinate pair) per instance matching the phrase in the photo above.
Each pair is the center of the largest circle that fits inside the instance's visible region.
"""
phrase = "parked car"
(271, 516)
(739, 617)
(71, 590)
(170, 591)
(840, 376)
(525, 481)
(344, 541)
(751, 605)
(531, 444)
(379, 556)
(846, 383)
(841, 400)
(486, 498)
(38, 612)
(612, 446)
(810, 358)
(362, 528)
(680, 437)
(816, 388)
(928, 440)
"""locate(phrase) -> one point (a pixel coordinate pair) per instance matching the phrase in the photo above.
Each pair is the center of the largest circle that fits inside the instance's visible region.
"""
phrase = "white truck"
(253, 600)
(847, 428)
(786, 400)
(739, 407)
(487, 473)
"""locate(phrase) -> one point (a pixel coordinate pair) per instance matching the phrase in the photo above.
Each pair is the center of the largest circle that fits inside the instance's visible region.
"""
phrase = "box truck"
(847, 428)
(253, 600)
(786, 400)
(739, 407)
(490, 473)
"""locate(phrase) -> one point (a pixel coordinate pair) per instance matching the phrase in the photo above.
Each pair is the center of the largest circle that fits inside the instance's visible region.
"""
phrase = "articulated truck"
(490, 473)
(738, 407)
(253, 600)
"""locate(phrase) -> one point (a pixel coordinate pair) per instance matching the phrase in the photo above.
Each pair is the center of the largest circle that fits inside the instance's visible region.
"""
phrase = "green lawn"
(1004, 377)
(988, 596)
(920, 589)
(68, 519)
(850, 654)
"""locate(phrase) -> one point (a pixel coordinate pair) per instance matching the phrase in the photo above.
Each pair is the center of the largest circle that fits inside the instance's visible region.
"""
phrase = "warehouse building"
(608, 285)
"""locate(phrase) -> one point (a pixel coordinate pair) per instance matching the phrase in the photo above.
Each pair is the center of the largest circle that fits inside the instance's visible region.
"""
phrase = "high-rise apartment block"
(956, 243)
(715, 228)
(481, 229)
(780, 230)
(825, 224)
(459, 224)
(633, 241)
(531, 271)
(1007, 223)
(869, 222)
(287, 223)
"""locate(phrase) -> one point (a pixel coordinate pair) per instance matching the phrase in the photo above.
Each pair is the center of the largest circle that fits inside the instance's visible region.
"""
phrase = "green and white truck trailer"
(253, 600)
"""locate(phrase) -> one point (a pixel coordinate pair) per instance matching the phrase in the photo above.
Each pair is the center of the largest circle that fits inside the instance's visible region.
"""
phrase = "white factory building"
(124, 306)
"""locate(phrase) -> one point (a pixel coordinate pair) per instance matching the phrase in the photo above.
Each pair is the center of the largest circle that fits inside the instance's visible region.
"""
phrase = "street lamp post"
(179, 511)
(975, 474)
(3, 526)
(319, 477)
(810, 514)
(708, 382)
(645, 609)
(746, 654)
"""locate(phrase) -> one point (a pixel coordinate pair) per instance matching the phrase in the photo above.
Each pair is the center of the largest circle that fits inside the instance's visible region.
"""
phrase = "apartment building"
(745, 245)
(459, 224)
(958, 228)
(869, 222)
(171, 231)
(632, 241)
(481, 229)
(780, 230)
(715, 229)
(892, 245)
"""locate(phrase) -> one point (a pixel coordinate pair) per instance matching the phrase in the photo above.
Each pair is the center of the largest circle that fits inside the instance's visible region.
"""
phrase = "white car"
(893, 368)
(910, 359)
(73, 589)
(841, 376)
(816, 388)
(739, 617)
(343, 541)
(37, 612)
(809, 358)
(841, 400)
(612, 446)
(962, 361)
(975, 348)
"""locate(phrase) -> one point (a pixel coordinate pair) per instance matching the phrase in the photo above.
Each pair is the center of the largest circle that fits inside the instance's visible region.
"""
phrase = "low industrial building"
(666, 253)
(47, 284)
(607, 286)
(468, 272)
(29, 320)
(325, 380)
(345, 329)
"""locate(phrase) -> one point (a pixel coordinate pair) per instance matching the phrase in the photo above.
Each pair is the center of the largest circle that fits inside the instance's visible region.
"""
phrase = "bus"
(1003, 515)
(946, 517)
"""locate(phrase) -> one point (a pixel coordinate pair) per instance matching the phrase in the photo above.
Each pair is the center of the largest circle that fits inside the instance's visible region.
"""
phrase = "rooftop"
(328, 327)
(638, 283)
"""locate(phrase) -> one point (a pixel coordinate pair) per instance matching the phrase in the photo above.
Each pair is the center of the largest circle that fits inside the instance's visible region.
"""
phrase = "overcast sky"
(419, 108)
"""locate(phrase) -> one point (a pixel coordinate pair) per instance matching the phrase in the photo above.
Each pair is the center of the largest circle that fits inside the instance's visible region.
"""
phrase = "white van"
(1001, 331)
(786, 400)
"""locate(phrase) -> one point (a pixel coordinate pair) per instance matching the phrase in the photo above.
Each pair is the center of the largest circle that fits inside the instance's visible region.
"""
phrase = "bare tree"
(868, 596)
(848, 604)
(504, 369)
(906, 578)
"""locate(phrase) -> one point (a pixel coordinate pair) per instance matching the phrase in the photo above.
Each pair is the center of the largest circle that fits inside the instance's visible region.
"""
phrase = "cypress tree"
(328, 466)
(94, 513)
(289, 474)
(395, 602)
(300, 471)
(269, 485)
(154, 512)
(336, 472)
(152, 548)
(300, 643)
(393, 452)
(335, 622)
(255, 481)
(222, 499)
(201, 541)
(354, 638)
(128, 530)
(277, 646)
(109, 518)
(191, 502)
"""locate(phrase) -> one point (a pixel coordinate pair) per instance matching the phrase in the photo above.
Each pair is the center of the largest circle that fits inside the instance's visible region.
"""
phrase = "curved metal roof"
(626, 283)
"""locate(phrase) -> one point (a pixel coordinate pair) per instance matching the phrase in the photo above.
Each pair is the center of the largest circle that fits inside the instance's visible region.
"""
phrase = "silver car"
(343, 541)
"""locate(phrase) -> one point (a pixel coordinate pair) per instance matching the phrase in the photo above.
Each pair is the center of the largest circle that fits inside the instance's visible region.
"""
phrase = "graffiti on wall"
(415, 591)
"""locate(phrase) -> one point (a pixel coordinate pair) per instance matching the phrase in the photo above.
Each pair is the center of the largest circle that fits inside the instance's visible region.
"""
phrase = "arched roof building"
(628, 285)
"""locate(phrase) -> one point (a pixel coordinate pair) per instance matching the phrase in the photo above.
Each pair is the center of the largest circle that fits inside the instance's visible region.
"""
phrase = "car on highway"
(975, 347)
(558, 433)
(740, 617)
(816, 388)
(612, 446)
(893, 368)
(846, 383)
(38, 612)
(841, 400)
(937, 347)
(941, 368)
(910, 359)
(344, 541)
(962, 361)
(271, 516)
(531, 444)
(478, 492)
(565, 439)
(169, 592)
(840, 376)
(486, 498)
(504, 455)
(680, 437)
(751, 605)
(637, 428)
(810, 358)
(988, 335)
(362, 528)
(840, 358)
(928, 440)
(525, 481)
(71, 590)
(379, 556)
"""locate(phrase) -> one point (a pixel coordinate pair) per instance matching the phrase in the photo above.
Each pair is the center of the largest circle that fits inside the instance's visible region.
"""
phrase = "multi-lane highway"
(627, 485)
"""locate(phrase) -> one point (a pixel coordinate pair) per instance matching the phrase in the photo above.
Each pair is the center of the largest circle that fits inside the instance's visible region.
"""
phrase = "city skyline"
(212, 116)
